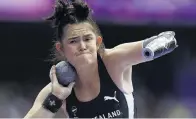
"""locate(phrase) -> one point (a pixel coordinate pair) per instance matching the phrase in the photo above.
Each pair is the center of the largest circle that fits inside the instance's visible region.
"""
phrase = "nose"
(82, 45)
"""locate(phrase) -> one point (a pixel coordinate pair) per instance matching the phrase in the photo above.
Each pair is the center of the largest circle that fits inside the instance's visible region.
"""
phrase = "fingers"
(53, 77)
(70, 86)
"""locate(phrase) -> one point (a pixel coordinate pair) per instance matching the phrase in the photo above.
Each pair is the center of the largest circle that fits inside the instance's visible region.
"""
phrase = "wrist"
(58, 95)
(52, 103)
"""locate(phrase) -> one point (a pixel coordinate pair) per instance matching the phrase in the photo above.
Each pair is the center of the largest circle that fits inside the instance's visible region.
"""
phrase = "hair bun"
(81, 10)
(65, 12)
(61, 9)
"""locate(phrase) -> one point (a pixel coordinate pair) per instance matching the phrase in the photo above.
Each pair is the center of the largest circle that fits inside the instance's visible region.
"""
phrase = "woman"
(103, 86)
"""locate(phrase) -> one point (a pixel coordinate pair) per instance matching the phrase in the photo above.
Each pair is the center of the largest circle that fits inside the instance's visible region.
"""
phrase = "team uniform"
(111, 102)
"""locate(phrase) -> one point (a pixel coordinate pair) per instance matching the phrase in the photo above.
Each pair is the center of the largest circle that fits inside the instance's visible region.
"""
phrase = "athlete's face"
(79, 44)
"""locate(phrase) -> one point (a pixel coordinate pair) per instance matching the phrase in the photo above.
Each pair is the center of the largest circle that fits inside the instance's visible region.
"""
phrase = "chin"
(85, 60)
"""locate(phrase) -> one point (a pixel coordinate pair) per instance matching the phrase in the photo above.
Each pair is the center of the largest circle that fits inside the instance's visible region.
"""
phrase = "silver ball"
(65, 73)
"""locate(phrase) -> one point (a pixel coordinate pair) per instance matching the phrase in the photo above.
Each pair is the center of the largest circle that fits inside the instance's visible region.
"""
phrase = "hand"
(57, 89)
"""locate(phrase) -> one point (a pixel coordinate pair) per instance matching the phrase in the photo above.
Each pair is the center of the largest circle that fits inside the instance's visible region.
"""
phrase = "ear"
(58, 46)
(99, 41)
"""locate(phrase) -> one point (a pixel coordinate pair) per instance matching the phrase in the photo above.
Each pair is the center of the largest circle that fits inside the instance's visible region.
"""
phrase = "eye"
(88, 38)
(72, 41)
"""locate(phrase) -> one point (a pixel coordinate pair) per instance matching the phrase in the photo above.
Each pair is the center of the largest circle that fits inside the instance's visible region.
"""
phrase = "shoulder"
(108, 57)
(111, 65)
(120, 75)
(106, 54)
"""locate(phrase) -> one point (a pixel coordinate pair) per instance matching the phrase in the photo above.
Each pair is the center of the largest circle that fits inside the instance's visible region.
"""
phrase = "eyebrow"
(75, 37)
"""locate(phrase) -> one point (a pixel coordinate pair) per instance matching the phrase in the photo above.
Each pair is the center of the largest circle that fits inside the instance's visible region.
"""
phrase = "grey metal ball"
(65, 73)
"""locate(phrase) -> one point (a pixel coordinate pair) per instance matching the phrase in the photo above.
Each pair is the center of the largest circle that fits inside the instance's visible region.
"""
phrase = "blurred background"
(163, 88)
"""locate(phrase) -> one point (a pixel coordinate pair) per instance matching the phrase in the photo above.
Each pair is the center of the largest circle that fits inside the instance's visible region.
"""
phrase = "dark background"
(164, 87)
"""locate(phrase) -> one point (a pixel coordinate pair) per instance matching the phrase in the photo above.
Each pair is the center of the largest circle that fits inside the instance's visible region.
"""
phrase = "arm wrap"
(160, 45)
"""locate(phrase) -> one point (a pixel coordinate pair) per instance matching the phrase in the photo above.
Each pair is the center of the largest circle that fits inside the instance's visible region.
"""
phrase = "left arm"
(127, 53)
(135, 52)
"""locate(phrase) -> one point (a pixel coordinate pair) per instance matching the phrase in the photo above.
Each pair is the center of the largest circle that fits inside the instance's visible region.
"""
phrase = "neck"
(88, 76)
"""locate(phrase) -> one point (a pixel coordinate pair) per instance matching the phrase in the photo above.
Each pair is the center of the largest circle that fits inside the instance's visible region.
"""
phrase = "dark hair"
(70, 12)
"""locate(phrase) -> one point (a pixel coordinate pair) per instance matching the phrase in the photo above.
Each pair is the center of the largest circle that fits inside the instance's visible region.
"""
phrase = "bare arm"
(128, 53)
(37, 111)
(125, 55)
(133, 53)
(50, 99)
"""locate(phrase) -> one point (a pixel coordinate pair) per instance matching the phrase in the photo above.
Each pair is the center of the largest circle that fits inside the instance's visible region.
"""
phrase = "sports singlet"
(110, 102)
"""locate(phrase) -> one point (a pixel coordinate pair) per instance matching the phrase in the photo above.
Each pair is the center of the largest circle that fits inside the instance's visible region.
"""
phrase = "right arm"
(37, 111)
(57, 90)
